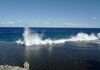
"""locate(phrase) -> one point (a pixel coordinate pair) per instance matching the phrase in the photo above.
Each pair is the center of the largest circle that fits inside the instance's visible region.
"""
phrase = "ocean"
(51, 48)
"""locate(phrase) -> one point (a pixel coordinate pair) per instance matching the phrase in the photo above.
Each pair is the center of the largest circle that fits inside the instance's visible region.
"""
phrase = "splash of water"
(83, 37)
(98, 35)
(36, 39)
(30, 39)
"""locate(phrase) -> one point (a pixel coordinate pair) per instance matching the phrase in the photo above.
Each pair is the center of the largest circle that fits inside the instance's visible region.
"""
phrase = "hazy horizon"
(50, 13)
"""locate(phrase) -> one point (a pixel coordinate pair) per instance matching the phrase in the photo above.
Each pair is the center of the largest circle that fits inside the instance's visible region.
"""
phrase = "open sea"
(64, 56)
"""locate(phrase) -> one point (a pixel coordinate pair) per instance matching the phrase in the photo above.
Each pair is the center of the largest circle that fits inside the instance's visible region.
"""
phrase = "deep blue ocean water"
(68, 56)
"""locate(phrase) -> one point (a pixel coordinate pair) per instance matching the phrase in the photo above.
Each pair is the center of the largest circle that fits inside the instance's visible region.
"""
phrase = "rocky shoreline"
(8, 67)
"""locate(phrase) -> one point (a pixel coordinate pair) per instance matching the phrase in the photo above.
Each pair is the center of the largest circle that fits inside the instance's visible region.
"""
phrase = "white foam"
(30, 39)
(83, 37)
(98, 35)
(19, 42)
(36, 39)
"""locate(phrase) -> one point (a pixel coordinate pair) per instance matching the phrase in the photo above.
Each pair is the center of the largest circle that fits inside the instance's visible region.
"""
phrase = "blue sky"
(50, 13)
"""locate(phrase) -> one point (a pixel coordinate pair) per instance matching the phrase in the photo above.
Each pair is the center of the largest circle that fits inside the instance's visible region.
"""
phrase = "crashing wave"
(19, 42)
(36, 39)
(83, 37)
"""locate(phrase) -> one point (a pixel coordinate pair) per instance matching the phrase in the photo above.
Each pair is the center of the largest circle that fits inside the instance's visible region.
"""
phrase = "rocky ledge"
(8, 67)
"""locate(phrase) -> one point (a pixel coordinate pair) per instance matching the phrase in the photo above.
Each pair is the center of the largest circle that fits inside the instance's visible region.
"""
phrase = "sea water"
(51, 48)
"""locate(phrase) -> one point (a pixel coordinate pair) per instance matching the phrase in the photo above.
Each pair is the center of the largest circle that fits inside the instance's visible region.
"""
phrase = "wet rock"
(8, 67)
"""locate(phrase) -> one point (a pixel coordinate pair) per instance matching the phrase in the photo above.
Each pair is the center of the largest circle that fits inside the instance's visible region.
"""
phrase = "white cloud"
(47, 23)
(36, 22)
(76, 25)
(41, 22)
(8, 22)
(69, 24)
(11, 22)
(3, 23)
(93, 17)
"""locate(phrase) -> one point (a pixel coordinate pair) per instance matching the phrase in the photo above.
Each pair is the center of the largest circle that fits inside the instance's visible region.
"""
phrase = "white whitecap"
(36, 39)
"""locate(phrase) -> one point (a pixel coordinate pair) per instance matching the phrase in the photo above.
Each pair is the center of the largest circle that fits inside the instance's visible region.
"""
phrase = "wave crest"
(35, 39)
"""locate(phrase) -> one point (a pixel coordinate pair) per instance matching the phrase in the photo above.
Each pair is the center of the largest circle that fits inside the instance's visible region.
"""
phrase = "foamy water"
(36, 39)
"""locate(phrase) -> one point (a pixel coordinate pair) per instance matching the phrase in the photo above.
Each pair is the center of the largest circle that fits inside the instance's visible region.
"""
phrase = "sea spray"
(30, 39)
(19, 41)
(35, 39)
(98, 35)
(83, 37)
